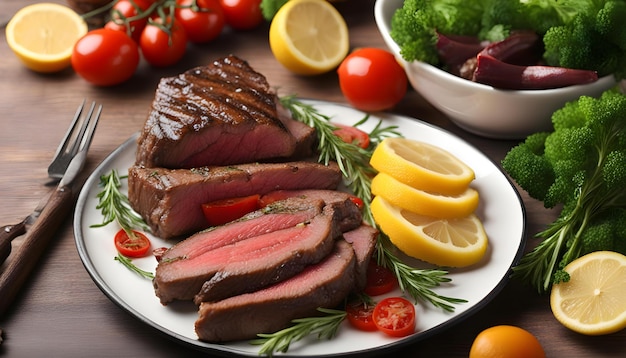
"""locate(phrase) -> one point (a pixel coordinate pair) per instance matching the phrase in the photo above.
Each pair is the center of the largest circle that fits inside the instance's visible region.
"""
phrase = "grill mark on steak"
(170, 200)
(251, 263)
(223, 113)
(325, 284)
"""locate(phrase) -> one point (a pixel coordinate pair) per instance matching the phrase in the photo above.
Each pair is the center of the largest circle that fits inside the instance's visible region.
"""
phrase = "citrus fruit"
(423, 202)
(422, 165)
(445, 242)
(43, 35)
(592, 301)
(309, 37)
(506, 341)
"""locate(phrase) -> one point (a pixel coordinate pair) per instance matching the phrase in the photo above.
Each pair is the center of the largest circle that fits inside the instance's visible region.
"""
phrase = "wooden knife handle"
(34, 243)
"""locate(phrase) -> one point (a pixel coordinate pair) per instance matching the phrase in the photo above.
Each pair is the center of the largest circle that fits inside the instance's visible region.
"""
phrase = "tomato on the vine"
(351, 134)
(135, 245)
(158, 47)
(220, 212)
(360, 316)
(105, 57)
(202, 24)
(371, 79)
(380, 280)
(242, 14)
(123, 10)
(395, 316)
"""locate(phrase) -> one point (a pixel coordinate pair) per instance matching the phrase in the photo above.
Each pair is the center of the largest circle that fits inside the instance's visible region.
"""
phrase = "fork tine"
(68, 135)
(78, 142)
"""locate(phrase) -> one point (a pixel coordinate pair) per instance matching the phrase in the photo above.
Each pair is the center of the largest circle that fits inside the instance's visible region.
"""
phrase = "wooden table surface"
(60, 312)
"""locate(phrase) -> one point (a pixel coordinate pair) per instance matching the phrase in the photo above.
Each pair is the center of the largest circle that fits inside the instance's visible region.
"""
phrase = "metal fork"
(73, 149)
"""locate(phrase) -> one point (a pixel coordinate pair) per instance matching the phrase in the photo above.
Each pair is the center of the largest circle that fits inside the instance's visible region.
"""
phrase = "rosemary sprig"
(131, 266)
(324, 326)
(115, 206)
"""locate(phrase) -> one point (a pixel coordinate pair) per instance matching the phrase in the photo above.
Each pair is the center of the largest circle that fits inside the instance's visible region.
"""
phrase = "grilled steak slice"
(222, 113)
(259, 260)
(363, 240)
(306, 136)
(325, 284)
(170, 200)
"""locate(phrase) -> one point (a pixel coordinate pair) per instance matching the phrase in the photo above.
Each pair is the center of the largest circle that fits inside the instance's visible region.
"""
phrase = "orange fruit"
(506, 342)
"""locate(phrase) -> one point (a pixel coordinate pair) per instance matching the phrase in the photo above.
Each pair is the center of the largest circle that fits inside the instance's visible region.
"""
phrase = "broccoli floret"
(586, 153)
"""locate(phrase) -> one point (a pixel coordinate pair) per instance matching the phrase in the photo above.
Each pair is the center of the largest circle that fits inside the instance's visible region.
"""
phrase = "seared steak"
(325, 284)
(170, 200)
(222, 113)
(363, 240)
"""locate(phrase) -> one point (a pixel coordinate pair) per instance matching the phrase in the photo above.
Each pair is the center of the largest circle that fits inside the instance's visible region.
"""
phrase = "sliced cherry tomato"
(395, 316)
(158, 253)
(221, 212)
(359, 315)
(105, 57)
(127, 9)
(202, 24)
(158, 47)
(135, 246)
(372, 80)
(350, 134)
(357, 201)
(380, 280)
(242, 14)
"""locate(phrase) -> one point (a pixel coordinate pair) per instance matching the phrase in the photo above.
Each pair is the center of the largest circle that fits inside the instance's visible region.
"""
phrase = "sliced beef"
(222, 113)
(170, 200)
(306, 136)
(271, 309)
(363, 240)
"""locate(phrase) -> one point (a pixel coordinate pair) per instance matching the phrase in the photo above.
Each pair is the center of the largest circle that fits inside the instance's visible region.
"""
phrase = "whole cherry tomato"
(105, 57)
(222, 211)
(202, 24)
(123, 10)
(242, 14)
(395, 316)
(351, 134)
(360, 316)
(372, 80)
(158, 47)
(135, 245)
(380, 280)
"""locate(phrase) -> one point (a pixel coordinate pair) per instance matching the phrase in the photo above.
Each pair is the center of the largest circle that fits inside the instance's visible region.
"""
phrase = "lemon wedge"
(592, 301)
(422, 165)
(445, 242)
(309, 37)
(43, 36)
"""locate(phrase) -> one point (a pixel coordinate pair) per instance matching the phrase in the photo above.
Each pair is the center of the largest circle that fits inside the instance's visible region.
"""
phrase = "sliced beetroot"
(520, 48)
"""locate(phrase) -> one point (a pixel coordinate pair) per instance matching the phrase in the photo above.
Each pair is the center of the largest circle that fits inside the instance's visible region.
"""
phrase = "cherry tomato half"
(223, 211)
(158, 47)
(135, 246)
(202, 24)
(360, 316)
(380, 280)
(105, 57)
(242, 14)
(395, 316)
(350, 134)
(126, 9)
(357, 201)
(371, 79)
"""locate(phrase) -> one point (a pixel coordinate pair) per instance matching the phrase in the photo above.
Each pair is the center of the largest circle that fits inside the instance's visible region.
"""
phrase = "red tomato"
(380, 280)
(105, 57)
(201, 24)
(223, 211)
(158, 47)
(372, 80)
(357, 201)
(127, 9)
(350, 134)
(395, 316)
(359, 315)
(242, 14)
(136, 246)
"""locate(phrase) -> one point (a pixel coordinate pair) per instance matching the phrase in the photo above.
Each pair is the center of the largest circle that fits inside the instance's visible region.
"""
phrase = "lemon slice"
(43, 35)
(423, 202)
(444, 242)
(593, 301)
(422, 165)
(309, 37)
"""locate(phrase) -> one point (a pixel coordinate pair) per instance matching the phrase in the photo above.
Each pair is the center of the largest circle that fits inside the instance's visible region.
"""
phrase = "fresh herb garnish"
(131, 266)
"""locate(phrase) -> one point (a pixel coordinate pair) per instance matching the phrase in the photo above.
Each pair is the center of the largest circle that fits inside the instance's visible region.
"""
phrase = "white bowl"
(478, 108)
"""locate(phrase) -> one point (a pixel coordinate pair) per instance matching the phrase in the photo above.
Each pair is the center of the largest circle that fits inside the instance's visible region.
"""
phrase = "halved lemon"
(309, 37)
(43, 35)
(593, 301)
(423, 202)
(422, 165)
(444, 242)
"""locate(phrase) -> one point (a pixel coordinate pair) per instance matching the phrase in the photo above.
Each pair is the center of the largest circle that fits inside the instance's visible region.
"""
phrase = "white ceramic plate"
(501, 211)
